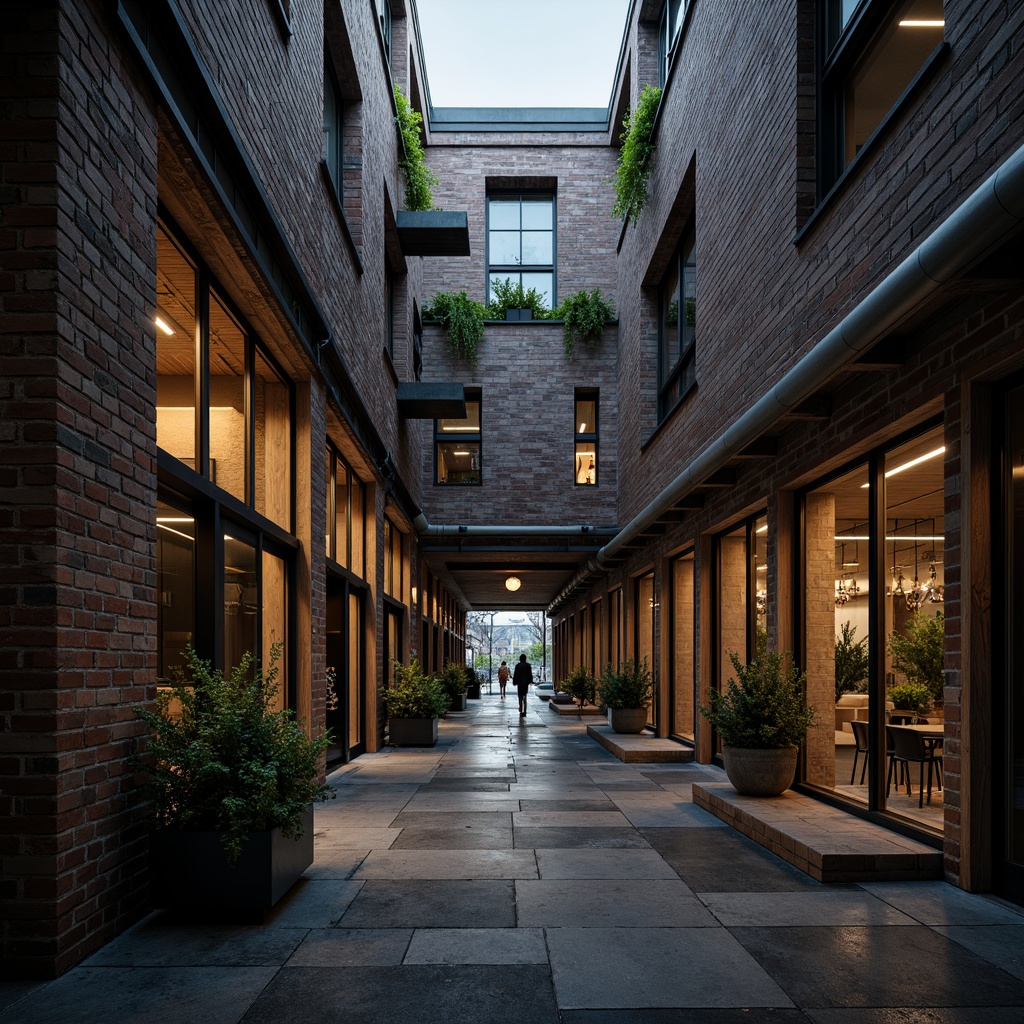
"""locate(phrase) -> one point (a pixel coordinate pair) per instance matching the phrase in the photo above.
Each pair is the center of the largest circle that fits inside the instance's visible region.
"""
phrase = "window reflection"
(273, 455)
(457, 447)
(240, 601)
(227, 401)
(682, 646)
(176, 584)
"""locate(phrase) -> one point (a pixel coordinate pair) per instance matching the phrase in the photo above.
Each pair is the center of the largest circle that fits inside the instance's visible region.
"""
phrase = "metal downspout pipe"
(991, 213)
(443, 531)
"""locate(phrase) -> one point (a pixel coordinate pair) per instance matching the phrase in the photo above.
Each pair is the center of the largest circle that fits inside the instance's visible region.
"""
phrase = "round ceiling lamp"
(513, 583)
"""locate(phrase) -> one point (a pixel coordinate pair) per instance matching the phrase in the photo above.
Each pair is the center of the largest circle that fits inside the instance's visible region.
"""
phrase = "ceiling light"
(921, 23)
(162, 324)
(513, 583)
(762, 529)
(910, 464)
(583, 429)
(460, 453)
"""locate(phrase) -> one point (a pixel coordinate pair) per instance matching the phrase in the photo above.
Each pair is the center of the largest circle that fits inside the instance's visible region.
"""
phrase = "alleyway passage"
(518, 873)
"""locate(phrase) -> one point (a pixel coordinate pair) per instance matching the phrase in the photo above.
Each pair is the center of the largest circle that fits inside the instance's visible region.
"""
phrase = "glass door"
(346, 701)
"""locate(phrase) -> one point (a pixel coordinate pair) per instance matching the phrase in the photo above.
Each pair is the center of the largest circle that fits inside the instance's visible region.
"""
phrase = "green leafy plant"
(454, 680)
(910, 697)
(584, 315)
(581, 685)
(462, 319)
(508, 294)
(634, 166)
(419, 180)
(414, 695)
(918, 652)
(222, 759)
(630, 686)
(851, 661)
(764, 708)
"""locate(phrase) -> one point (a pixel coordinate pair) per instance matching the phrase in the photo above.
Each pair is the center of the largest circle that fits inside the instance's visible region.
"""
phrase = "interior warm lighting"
(762, 529)
(513, 583)
(920, 23)
(460, 453)
(583, 429)
(852, 536)
(910, 464)
(163, 325)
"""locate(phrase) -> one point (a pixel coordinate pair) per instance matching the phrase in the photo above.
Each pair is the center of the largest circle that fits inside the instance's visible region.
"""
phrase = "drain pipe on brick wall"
(984, 220)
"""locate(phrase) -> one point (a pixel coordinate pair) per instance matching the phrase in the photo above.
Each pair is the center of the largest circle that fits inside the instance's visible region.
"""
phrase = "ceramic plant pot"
(627, 720)
(760, 772)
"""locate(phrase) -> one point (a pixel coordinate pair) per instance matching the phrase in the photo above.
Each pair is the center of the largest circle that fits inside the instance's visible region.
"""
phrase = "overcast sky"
(521, 53)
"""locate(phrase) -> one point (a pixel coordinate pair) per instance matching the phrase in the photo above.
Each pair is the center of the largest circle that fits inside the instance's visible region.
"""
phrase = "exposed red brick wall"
(77, 608)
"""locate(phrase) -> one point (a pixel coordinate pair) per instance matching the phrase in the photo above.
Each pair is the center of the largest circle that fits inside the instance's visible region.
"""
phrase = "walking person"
(521, 679)
(503, 674)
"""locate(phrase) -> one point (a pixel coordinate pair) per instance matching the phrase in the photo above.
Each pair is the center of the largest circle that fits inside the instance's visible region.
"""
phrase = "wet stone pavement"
(519, 873)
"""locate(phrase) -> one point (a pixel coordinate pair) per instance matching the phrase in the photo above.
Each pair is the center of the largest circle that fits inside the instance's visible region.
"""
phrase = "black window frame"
(590, 437)
(334, 133)
(501, 271)
(677, 376)
(473, 395)
(842, 47)
(670, 24)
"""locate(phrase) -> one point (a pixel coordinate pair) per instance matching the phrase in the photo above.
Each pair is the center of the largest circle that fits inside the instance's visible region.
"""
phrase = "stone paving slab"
(643, 748)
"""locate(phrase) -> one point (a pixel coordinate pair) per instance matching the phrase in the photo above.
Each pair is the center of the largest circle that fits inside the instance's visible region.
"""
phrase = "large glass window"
(346, 514)
(872, 52)
(873, 630)
(586, 437)
(521, 242)
(457, 446)
(677, 325)
(176, 585)
(671, 21)
(333, 134)
(227, 412)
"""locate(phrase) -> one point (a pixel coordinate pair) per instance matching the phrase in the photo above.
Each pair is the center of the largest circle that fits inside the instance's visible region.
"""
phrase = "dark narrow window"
(677, 325)
(389, 312)
(521, 242)
(457, 454)
(672, 12)
(871, 53)
(586, 437)
(384, 20)
(333, 129)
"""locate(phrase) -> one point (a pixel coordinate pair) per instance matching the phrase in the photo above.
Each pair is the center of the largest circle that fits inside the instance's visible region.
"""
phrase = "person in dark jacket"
(521, 679)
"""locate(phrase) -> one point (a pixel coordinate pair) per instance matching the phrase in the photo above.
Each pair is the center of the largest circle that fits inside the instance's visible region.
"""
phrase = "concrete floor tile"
(160, 941)
(411, 994)
(938, 903)
(665, 813)
(582, 864)
(341, 838)
(433, 903)
(910, 966)
(477, 946)
(788, 909)
(332, 863)
(352, 947)
(609, 903)
(569, 819)
(925, 1015)
(313, 903)
(439, 864)
(598, 803)
(144, 995)
(578, 838)
(601, 968)
(998, 944)
(465, 837)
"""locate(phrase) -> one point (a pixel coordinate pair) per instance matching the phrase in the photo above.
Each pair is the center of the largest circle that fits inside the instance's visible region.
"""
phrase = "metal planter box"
(189, 870)
(413, 732)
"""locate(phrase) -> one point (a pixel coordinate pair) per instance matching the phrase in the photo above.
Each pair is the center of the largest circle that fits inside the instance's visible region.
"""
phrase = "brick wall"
(77, 607)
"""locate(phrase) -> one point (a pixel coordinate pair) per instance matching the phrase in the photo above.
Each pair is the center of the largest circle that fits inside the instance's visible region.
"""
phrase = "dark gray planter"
(519, 314)
(413, 732)
(473, 691)
(627, 720)
(190, 872)
(458, 702)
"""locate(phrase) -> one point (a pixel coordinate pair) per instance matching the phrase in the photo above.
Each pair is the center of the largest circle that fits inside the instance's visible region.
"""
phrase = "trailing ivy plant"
(584, 315)
(223, 759)
(419, 180)
(462, 319)
(634, 167)
(507, 295)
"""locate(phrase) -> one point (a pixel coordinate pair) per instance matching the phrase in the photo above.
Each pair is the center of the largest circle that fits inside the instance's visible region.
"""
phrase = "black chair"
(909, 747)
(860, 734)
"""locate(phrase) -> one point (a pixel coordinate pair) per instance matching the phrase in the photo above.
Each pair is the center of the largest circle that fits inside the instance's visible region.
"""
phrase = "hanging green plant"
(584, 315)
(419, 180)
(635, 156)
(462, 319)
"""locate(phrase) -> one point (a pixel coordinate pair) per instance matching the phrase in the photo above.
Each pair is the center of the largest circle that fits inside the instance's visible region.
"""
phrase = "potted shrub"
(511, 301)
(462, 319)
(918, 653)
(626, 693)
(455, 684)
(914, 698)
(851, 661)
(581, 685)
(414, 702)
(232, 783)
(584, 316)
(762, 718)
